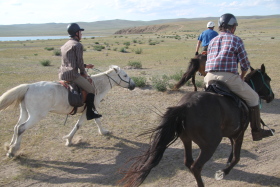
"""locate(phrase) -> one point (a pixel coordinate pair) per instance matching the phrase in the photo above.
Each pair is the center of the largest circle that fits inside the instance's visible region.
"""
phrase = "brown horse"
(203, 118)
(197, 64)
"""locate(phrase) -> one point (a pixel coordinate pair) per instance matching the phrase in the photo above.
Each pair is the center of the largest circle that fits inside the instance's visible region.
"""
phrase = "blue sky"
(67, 11)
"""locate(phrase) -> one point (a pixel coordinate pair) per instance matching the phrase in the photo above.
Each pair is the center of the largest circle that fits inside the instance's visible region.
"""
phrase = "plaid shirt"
(71, 60)
(224, 53)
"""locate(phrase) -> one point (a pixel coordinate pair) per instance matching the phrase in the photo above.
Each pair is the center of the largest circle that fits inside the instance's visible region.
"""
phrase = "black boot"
(91, 111)
(257, 132)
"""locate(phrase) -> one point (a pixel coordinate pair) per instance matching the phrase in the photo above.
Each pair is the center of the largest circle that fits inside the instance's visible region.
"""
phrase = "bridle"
(253, 86)
(110, 78)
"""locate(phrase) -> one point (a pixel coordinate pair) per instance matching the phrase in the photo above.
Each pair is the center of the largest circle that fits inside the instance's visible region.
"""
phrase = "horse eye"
(125, 75)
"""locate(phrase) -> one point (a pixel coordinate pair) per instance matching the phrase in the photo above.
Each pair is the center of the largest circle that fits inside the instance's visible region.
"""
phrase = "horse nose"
(131, 86)
(270, 98)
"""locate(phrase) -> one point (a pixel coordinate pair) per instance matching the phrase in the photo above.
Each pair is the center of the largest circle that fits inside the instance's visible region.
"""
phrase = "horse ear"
(252, 69)
(263, 68)
(116, 68)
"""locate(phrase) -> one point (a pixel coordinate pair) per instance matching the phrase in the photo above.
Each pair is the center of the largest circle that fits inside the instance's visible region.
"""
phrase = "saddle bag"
(75, 97)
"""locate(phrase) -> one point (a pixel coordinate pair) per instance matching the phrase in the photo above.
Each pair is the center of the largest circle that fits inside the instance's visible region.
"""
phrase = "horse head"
(260, 82)
(121, 78)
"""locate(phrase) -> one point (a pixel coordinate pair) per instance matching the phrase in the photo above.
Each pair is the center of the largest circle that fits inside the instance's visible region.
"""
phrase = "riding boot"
(255, 121)
(91, 111)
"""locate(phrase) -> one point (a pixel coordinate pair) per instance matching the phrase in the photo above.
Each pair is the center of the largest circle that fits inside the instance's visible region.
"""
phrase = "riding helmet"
(73, 28)
(227, 20)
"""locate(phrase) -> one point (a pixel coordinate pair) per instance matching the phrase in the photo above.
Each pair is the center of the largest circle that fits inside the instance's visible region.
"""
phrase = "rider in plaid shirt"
(225, 51)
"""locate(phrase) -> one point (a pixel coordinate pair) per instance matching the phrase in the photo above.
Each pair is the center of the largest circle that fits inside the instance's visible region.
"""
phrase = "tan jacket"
(71, 60)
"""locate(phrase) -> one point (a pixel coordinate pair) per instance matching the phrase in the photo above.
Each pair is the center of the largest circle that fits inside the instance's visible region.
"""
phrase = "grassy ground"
(94, 159)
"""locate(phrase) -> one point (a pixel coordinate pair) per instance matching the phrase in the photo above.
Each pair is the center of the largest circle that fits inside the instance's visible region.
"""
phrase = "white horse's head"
(121, 78)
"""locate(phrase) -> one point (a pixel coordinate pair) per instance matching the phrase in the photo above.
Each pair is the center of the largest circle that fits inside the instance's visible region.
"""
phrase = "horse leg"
(205, 154)
(188, 152)
(22, 118)
(231, 154)
(236, 148)
(70, 136)
(18, 132)
(101, 130)
(193, 82)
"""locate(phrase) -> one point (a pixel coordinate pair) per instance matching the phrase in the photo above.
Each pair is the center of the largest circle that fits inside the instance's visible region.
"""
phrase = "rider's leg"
(85, 85)
(257, 132)
(244, 91)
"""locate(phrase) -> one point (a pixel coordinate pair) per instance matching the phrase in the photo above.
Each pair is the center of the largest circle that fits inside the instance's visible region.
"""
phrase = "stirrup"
(259, 135)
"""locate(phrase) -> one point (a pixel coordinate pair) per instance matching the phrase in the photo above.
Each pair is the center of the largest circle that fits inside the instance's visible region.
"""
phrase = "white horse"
(39, 98)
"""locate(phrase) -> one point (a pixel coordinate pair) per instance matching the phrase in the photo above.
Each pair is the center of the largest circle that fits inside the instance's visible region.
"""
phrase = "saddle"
(76, 95)
(221, 88)
(204, 53)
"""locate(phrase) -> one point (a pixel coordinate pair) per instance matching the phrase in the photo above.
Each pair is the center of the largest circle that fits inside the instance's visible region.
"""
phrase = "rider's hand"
(196, 53)
(89, 66)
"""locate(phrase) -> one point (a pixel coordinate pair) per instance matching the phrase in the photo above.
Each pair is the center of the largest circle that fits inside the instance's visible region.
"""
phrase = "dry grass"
(94, 159)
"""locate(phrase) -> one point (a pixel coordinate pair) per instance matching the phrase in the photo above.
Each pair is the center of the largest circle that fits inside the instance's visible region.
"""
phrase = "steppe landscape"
(93, 159)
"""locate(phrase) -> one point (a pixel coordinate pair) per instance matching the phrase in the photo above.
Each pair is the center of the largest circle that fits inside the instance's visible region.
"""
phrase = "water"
(25, 38)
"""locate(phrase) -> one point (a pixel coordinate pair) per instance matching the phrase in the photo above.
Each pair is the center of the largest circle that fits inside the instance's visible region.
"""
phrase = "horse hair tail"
(14, 95)
(162, 137)
(192, 69)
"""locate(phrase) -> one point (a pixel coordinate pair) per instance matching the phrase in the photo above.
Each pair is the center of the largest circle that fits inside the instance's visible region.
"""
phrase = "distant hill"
(97, 28)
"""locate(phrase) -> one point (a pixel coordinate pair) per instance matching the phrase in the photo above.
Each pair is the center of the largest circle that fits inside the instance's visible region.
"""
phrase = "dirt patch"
(95, 160)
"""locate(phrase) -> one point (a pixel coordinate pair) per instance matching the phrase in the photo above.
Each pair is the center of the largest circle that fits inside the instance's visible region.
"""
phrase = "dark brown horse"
(203, 118)
(197, 64)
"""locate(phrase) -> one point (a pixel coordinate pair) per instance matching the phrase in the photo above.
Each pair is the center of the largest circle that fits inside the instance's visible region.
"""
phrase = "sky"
(68, 11)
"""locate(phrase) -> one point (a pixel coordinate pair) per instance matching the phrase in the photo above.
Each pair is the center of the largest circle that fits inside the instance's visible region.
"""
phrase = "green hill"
(99, 28)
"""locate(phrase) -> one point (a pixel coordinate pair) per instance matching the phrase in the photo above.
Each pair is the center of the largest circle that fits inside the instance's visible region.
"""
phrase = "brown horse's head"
(260, 82)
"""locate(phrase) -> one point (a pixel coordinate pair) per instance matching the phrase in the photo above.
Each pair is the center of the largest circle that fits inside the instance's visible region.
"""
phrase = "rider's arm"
(197, 45)
(243, 73)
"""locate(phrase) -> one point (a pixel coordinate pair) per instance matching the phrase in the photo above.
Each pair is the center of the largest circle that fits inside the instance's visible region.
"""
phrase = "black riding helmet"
(227, 20)
(73, 28)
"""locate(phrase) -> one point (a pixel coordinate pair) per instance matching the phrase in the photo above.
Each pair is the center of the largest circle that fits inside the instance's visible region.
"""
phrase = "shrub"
(57, 52)
(138, 51)
(137, 65)
(126, 44)
(159, 84)
(123, 50)
(139, 81)
(98, 47)
(49, 48)
(177, 76)
(45, 62)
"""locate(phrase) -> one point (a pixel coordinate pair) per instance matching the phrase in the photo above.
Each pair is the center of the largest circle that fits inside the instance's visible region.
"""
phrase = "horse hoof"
(219, 175)
(104, 132)
(10, 155)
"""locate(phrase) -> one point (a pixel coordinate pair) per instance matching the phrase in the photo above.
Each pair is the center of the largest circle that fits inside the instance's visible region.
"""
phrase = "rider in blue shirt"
(205, 37)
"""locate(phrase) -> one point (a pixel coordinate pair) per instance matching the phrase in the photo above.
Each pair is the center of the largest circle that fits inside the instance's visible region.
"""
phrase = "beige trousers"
(84, 84)
(236, 85)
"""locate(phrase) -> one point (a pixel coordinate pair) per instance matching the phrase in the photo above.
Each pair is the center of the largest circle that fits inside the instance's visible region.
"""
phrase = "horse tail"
(15, 94)
(192, 69)
(162, 137)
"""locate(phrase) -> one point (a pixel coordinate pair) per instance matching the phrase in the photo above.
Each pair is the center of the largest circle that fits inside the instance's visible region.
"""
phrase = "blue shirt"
(206, 36)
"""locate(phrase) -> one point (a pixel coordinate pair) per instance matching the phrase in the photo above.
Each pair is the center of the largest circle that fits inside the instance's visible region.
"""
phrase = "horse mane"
(249, 76)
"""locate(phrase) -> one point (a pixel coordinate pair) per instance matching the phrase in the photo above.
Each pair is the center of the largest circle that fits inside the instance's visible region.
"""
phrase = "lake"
(25, 38)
